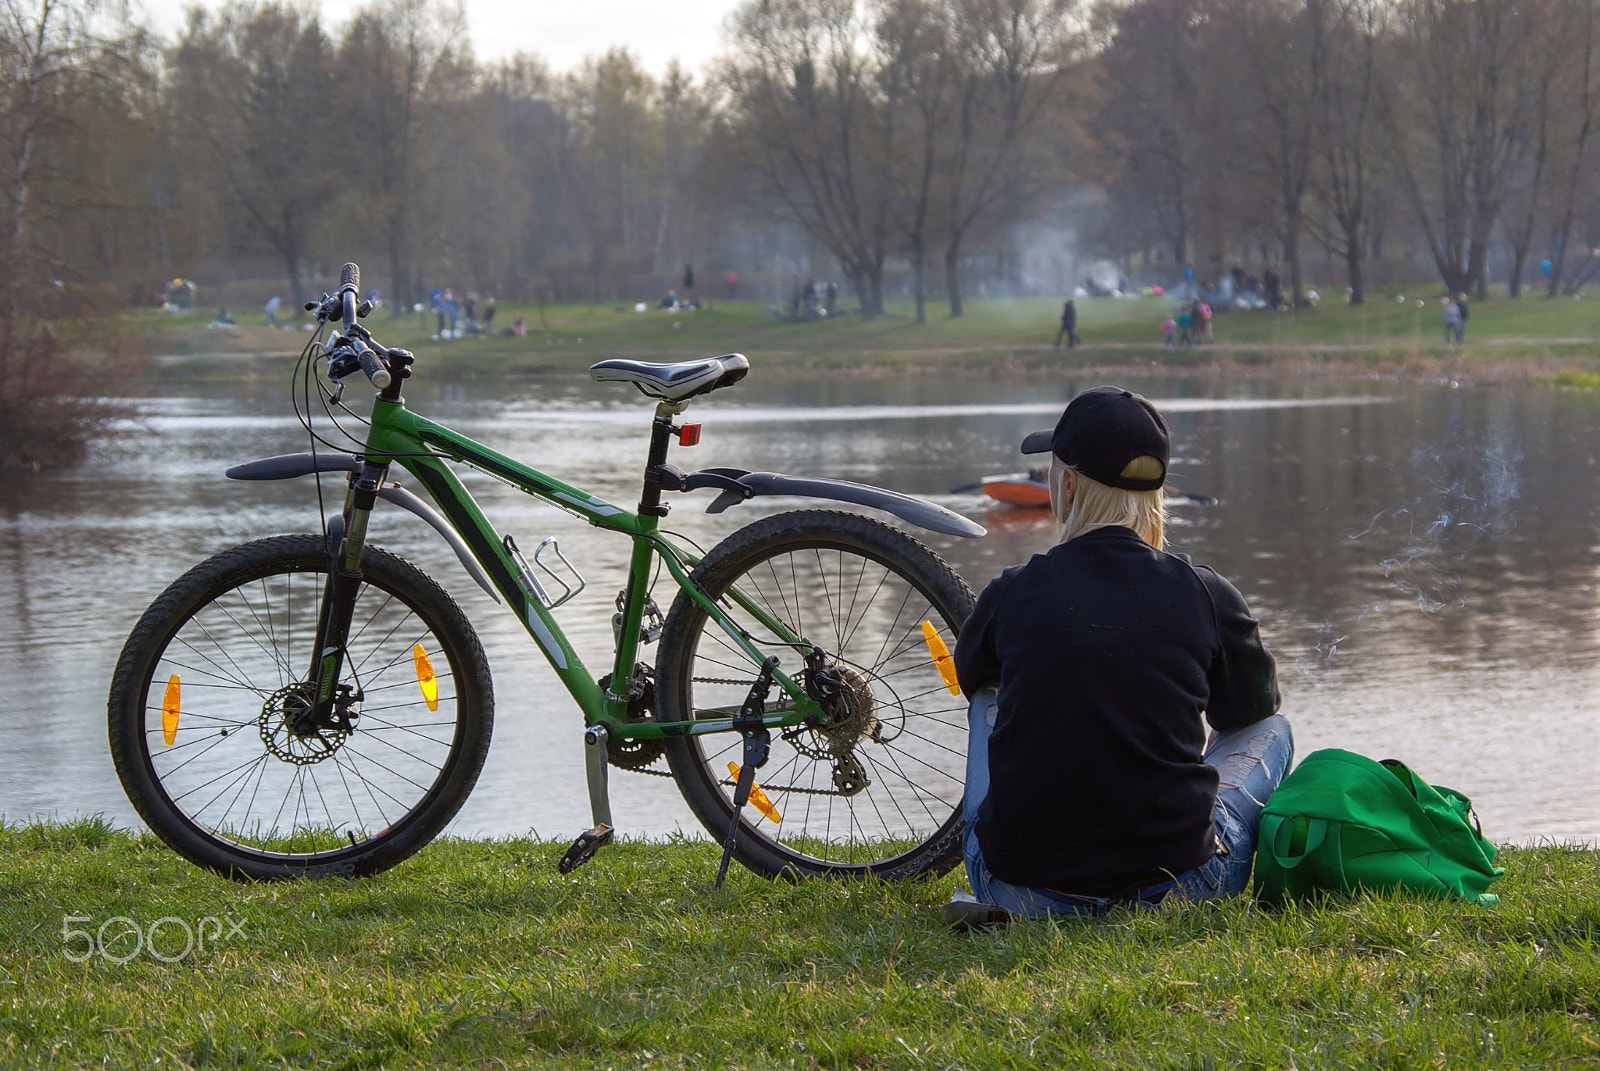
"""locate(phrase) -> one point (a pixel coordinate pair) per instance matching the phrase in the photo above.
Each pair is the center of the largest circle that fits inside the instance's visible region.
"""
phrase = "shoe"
(967, 912)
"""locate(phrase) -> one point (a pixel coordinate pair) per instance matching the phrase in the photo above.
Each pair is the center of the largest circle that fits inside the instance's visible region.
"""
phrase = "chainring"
(630, 754)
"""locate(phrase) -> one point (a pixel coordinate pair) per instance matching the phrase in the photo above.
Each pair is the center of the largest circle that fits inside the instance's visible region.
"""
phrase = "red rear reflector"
(689, 435)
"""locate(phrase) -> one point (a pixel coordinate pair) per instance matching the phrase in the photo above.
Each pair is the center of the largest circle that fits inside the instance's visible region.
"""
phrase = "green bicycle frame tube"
(423, 448)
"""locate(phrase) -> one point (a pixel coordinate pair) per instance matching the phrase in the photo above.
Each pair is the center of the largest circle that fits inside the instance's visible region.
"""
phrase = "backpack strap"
(1291, 838)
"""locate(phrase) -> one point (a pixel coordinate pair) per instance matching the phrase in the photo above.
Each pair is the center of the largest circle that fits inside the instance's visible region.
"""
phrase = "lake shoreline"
(1212, 362)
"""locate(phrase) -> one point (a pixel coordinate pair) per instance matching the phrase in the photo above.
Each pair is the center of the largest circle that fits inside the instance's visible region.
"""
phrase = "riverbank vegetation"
(477, 953)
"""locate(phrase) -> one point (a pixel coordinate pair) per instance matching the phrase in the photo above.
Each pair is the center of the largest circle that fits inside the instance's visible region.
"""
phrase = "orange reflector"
(941, 657)
(169, 712)
(757, 797)
(689, 435)
(425, 677)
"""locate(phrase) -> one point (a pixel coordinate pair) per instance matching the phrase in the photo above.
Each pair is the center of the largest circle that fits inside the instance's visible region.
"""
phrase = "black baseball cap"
(1102, 431)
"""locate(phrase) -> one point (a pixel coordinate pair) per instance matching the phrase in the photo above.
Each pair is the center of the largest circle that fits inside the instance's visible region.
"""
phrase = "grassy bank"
(1532, 334)
(480, 954)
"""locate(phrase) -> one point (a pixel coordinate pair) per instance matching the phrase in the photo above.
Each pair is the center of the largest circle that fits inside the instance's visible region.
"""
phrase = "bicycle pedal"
(583, 849)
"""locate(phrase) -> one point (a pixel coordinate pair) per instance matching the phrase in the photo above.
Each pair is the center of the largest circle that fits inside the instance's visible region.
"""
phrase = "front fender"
(922, 513)
(291, 466)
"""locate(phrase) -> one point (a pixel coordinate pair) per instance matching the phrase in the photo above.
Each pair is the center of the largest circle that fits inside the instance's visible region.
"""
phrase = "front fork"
(339, 598)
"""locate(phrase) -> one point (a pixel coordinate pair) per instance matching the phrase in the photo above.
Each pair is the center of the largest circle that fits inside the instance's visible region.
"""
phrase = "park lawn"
(1010, 334)
(477, 953)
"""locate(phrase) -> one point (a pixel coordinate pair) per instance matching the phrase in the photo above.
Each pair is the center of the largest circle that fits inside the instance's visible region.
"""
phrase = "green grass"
(995, 335)
(479, 954)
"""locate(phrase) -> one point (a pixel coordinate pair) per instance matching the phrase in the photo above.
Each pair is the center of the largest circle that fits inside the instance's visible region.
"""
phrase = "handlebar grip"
(350, 278)
(371, 363)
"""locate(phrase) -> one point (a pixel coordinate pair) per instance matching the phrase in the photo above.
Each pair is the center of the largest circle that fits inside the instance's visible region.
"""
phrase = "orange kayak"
(1026, 489)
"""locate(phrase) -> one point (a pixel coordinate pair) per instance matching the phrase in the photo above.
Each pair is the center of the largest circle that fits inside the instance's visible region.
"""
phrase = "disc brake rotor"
(276, 722)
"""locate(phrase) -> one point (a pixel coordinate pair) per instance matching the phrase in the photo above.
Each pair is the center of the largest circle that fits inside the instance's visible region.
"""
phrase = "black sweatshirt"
(1106, 651)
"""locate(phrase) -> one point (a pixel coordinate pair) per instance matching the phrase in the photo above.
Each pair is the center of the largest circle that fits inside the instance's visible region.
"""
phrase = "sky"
(562, 31)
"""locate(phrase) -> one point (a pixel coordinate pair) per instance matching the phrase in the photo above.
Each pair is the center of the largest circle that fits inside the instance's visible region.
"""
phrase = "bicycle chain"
(794, 789)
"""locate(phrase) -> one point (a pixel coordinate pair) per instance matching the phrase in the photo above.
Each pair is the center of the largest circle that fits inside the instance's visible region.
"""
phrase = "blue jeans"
(1250, 761)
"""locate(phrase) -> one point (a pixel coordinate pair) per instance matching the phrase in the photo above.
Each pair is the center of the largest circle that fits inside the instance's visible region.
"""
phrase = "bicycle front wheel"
(204, 704)
(878, 789)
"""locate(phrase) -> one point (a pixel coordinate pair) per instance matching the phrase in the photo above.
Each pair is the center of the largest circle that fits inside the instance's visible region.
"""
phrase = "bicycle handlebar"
(369, 358)
(371, 363)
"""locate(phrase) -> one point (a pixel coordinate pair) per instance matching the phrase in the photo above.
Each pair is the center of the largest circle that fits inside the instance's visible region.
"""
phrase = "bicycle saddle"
(673, 382)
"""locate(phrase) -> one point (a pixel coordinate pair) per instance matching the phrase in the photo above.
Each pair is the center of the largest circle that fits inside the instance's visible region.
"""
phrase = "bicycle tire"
(827, 549)
(237, 644)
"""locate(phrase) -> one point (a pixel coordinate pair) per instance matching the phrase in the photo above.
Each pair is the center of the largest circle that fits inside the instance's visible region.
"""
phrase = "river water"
(1423, 560)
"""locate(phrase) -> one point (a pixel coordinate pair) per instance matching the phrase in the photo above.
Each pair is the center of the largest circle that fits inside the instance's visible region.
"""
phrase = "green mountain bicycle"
(311, 705)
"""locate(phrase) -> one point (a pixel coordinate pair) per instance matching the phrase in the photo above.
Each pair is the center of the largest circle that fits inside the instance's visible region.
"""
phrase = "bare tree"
(1283, 49)
(811, 129)
(390, 63)
(56, 69)
(254, 86)
(1017, 54)
(1151, 123)
(1465, 71)
(920, 74)
(1578, 91)
(1346, 146)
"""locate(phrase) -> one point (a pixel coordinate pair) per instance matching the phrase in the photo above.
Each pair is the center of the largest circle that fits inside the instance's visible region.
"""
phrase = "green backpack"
(1341, 822)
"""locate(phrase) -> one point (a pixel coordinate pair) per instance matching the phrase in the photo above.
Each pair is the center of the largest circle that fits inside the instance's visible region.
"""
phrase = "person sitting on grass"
(1090, 782)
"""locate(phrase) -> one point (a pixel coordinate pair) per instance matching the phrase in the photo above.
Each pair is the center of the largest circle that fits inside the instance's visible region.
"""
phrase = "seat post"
(660, 437)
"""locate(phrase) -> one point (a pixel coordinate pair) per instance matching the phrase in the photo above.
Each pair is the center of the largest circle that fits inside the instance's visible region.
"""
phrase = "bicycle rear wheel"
(206, 693)
(877, 791)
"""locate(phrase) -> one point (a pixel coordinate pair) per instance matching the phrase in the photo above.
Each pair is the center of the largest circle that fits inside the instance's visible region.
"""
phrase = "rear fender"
(291, 466)
(737, 486)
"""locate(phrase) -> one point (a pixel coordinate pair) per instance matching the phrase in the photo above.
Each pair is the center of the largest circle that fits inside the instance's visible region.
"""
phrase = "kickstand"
(757, 741)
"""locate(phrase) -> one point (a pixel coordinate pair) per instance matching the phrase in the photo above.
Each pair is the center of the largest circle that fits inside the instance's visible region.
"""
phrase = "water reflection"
(1423, 561)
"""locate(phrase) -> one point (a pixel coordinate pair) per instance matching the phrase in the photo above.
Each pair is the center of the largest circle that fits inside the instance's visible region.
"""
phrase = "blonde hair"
(1096, 505)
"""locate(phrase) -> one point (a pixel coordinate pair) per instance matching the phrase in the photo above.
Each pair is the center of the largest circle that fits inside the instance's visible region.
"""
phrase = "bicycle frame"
(425, 448)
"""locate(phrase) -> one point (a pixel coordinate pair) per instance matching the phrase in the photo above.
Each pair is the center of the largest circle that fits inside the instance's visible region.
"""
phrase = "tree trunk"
(875, 290)
(1352, 263)
(397, 269)
(297, 290)
(952, 278)
(1291, 253)
(918, 289)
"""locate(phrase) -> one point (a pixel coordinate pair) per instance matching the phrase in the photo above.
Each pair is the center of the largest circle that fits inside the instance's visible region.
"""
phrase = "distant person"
(223, 318)
(436, 302)
(488, 315)
(688, 278)
(1274, 285)
(1204, 310)
(670, 301)
(831, 301)
(731, 281)
(1185, 326)
(517, 329)
(1466, 314)
(1069, 325)
(1171, 329)
(1452, 320)
(273, 304)
(452, 309)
